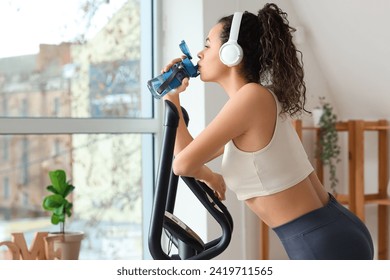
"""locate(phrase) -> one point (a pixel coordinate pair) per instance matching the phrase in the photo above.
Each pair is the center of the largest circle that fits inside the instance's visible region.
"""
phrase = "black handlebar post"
(165, 196)
(163, 181)
(173, 182)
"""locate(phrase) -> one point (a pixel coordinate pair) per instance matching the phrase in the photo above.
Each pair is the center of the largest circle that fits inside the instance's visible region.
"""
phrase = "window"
(79, 102)
(5, 148)
(24, 161)
(6, 193)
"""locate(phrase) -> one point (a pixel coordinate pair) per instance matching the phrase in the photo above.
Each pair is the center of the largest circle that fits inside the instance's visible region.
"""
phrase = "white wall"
(346, 56)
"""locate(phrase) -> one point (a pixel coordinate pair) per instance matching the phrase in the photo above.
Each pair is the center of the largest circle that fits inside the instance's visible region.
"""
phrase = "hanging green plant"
(328, 149)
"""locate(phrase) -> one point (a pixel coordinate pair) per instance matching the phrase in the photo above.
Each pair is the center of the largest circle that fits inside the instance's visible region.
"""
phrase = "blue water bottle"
(164, 83)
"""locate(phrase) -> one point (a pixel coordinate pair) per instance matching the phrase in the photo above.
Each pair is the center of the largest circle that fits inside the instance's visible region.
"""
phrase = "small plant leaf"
(56, 219)
(58, 180)
(52, 202)
(59, 210)
(68, 189)
(51, 189)
(68, 208)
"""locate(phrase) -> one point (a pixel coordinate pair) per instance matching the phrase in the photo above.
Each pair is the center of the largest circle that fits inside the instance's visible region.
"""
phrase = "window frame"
(51, 126)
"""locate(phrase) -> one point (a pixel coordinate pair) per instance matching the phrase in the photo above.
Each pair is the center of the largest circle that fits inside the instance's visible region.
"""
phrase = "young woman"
(264, 162)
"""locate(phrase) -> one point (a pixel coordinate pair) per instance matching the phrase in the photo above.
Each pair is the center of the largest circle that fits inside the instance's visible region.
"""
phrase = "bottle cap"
(184, 48)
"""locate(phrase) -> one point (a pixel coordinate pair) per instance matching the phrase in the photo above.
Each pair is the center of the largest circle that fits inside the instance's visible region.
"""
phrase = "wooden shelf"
(368, 199)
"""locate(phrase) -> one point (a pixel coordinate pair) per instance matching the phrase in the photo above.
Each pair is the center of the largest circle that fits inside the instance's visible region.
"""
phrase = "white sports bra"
(278, 166)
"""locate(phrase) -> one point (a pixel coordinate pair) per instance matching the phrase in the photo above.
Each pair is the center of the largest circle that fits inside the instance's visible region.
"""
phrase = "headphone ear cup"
(230, 54)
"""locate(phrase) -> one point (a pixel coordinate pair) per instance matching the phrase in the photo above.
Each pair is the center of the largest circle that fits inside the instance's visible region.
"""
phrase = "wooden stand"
(356, 197)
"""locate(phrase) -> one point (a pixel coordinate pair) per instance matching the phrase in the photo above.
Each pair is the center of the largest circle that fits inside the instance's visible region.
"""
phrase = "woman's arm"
(184, 138)
(240, 115)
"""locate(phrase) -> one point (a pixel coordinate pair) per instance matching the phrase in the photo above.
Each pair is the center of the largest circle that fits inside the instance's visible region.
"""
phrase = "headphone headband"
(235, 27)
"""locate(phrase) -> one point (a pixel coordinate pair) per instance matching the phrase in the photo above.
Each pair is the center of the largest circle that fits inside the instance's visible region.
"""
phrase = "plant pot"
(63, 246)
(316, 114)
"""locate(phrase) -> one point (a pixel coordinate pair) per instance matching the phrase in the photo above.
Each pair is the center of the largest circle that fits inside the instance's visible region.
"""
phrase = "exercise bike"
(189, 245)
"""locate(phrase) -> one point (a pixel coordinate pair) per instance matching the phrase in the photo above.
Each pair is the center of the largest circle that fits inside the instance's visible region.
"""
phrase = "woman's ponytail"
(280, 68)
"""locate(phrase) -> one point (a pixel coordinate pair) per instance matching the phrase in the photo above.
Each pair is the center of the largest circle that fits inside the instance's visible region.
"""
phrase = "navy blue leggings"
(328, 233)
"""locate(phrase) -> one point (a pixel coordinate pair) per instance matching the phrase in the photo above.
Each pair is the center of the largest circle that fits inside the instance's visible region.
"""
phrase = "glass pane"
(73, 58)
(107, 172)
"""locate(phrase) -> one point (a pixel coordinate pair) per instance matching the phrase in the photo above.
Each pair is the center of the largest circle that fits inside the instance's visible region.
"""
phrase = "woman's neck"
(232, 83)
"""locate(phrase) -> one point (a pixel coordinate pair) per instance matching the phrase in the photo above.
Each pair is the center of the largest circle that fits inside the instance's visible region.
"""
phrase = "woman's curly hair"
(273, 61)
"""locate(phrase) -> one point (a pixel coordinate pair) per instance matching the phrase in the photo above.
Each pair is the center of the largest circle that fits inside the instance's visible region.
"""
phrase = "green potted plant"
(328, 149)
(62, 244)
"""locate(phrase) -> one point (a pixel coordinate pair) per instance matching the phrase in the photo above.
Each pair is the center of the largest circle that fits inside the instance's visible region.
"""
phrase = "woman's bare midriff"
(282, 207)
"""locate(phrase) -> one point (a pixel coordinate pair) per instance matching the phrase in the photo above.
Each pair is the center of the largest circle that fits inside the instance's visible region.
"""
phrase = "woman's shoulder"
(256, 94)
(255, 89)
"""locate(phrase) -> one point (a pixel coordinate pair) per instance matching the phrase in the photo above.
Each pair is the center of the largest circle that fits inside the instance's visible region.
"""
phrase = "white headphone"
(231, 52)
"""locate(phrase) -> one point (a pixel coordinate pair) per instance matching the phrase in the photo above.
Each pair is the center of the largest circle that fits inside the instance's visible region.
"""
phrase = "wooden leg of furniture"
(383, 181)
(359, 170)
(264, 244)
(383, 232)
(352, 166)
